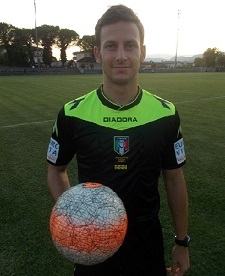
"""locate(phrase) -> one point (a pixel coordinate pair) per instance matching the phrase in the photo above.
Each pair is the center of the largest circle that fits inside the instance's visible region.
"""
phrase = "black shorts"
(142, 253)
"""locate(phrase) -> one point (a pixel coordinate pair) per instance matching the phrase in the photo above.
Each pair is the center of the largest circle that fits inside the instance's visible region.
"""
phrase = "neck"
(121, 94)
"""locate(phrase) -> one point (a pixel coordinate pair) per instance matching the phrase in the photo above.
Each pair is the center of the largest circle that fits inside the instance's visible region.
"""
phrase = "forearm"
(178, 203)
(58, 181)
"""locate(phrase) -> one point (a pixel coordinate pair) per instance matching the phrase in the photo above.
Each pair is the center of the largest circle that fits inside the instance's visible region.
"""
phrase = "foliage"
(7, 36)
(21, 50)
(66, 38)
(212, 57)
(30, 105)
(47, 36)
(7, 33)
(23, 42)
(17, 41)
(221, 60)
(199, 62)
(87, 43)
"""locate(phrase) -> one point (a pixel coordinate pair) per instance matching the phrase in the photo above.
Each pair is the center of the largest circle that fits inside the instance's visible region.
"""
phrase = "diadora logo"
(120, 119)
(121, 144)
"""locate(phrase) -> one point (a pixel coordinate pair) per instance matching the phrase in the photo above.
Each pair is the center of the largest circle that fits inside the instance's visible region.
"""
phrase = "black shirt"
(123, 147)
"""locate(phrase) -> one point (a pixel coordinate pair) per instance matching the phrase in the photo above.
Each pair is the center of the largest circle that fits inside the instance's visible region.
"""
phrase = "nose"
(121, 54)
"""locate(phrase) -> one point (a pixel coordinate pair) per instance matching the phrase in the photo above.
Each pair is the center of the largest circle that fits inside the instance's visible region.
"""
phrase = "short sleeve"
(174, 154)
(61, 147)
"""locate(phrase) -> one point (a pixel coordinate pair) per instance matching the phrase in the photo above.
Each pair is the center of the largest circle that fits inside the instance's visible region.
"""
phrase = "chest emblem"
(121, 144)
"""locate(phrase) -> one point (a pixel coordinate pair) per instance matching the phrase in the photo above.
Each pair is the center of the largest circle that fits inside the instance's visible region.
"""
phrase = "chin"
(121, 80)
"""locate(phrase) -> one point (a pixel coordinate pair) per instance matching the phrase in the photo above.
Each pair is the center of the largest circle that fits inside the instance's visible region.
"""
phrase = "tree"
(7, 36)
(211, 56)
(199, 62)
(28, 37)
(65, 39)
(87, 43)
(221, 60)
(47, 35)
(23, 47)
(18, 52)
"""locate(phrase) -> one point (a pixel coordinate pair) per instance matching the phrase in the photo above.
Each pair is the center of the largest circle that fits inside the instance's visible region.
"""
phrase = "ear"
(97, 54)
(143, 53)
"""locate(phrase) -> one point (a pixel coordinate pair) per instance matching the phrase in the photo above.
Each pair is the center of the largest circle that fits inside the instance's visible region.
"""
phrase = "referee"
(125, 137)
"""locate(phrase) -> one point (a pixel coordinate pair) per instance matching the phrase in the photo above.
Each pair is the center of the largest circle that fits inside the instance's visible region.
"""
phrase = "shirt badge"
(121, 144)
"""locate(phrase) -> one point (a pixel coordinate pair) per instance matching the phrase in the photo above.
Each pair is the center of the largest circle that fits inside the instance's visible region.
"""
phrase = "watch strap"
(185, 242)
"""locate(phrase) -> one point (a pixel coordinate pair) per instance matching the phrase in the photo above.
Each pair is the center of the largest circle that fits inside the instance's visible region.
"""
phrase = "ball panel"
(91, 185)
(87, 238)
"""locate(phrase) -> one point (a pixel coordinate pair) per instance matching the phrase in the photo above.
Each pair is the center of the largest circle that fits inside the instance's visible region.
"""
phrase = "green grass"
(29, 105)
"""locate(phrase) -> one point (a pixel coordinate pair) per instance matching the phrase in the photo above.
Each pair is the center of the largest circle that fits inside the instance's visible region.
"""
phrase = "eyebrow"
(126, 41)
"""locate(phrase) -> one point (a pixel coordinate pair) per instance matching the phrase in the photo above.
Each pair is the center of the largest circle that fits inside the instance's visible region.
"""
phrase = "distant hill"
(162, 57)
(187, 58)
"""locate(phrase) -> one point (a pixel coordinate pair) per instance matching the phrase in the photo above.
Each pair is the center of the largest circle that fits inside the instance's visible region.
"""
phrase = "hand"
(180, 261)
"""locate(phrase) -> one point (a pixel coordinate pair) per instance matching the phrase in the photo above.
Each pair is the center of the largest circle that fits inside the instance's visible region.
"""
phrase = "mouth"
(121, 66)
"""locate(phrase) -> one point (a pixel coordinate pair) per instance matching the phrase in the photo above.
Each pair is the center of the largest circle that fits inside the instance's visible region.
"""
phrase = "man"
(123, 137)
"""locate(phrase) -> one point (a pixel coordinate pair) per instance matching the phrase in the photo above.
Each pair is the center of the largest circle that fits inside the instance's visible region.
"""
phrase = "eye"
(131, 45)
(110, 46)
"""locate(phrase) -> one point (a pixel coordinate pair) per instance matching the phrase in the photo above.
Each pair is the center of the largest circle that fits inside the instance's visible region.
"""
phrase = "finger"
(175, 270)
(183, 271)
(168, 270)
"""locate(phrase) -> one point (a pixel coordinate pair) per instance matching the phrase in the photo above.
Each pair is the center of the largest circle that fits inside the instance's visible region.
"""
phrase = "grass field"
(29, 105)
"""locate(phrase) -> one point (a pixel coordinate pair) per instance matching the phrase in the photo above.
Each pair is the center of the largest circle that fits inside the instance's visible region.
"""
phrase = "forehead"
(121, 30)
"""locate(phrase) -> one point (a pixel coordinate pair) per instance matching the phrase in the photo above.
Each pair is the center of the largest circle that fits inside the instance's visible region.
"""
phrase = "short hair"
(115, 14)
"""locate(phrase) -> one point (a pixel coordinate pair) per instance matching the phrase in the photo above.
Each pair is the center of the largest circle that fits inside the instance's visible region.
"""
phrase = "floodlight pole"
(178, 17)
(35, 18)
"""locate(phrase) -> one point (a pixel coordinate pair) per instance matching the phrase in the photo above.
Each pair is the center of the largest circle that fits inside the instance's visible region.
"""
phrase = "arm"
(178, 203)
(58, 181)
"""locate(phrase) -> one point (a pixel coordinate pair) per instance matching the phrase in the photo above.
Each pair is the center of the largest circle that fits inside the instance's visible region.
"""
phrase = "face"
(120, 52)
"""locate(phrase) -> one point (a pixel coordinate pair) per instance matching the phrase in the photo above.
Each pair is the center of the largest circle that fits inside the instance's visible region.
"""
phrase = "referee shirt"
(123, 147)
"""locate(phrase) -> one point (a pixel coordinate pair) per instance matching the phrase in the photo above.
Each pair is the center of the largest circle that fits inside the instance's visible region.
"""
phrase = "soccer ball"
(88, 223)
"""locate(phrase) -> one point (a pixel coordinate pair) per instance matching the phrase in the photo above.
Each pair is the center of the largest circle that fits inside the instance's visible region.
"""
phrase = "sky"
(199, 26)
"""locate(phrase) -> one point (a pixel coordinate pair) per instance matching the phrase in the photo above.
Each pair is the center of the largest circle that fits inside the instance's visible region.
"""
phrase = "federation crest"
(121, 144)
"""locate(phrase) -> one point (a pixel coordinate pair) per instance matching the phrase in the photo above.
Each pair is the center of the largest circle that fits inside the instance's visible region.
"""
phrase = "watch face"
(187, 241)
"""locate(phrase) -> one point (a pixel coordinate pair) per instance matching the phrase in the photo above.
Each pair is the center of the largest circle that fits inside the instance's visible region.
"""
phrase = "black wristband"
(185, 242)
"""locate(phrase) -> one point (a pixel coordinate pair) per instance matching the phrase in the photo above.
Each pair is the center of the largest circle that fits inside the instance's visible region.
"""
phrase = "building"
(85, 61)
(172, 64)
(38, 55)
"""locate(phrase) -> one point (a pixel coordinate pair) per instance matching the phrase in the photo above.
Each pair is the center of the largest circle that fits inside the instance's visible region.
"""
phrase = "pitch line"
(25, 124)
(200, 100)
(49, 121)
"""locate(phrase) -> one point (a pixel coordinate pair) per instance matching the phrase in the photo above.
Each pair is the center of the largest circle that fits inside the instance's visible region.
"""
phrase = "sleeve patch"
(53, 151)
(179, 151)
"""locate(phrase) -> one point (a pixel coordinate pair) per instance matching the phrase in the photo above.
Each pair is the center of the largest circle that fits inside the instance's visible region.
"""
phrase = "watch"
(185, 242)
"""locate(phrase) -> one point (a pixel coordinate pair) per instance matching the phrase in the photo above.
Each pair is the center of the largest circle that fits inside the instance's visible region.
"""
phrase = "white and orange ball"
(88, 223)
